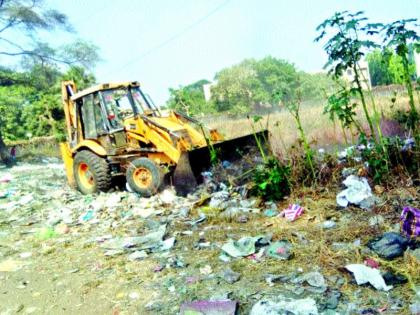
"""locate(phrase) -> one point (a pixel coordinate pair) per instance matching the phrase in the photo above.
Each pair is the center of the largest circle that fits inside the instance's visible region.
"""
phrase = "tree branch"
(10, 24)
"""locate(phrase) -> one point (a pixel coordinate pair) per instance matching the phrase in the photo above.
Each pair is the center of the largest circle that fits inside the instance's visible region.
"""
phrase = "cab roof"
(102, 87)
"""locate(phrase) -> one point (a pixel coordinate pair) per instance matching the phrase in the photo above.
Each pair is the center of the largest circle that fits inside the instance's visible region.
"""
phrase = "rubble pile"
(216, 251)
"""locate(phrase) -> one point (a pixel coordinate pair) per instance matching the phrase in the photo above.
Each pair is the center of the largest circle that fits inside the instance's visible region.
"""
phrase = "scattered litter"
(292, 212)
(25, 255)
(137, 255)
(224, 257)
(226, 164)
(231, 276)
(223, 307)
(6, 178)
(242, 219)
(409, 144)
(372, 263)
(410, 221)
(364, 274)
(389, 245)
(168, 196)
(152, 240)
(329, 224)
(200, 219)
(270, 213)
(6, 193)
(347, 171)
(333, 298)
(89, 215)
(168, 244)
(358, 193)
(26, 199)
(394, 279)
(415, 308)
(134, 295)
(218, 199)
(280, 250)
(242, 247)
(376, 220)
(314, 279)
(143, 212)
(283, 305)
(206, 270)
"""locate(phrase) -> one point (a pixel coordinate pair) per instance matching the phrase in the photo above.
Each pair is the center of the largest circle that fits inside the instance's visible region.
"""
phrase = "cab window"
(118, 106)
(93, 120)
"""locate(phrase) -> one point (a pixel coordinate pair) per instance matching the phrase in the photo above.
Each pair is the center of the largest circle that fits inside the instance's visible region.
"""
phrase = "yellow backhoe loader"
(115, 130)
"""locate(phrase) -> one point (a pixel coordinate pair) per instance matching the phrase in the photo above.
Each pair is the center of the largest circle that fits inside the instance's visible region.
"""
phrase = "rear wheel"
(144, 177)
(91, 173)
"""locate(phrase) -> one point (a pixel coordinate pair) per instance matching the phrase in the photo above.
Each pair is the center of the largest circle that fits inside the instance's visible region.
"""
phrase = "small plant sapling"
(345, 49)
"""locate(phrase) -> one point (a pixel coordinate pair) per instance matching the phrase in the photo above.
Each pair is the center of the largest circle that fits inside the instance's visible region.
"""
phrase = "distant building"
(207, 91)
(348, 75)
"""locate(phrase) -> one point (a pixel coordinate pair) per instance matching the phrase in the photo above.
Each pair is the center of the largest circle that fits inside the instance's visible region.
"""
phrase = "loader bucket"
(191, 164)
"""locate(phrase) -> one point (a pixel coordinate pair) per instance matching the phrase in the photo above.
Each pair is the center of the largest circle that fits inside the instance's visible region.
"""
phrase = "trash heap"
(216, 251)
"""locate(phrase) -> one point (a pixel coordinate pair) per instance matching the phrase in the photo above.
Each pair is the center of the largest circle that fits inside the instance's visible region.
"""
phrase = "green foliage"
(340, 106)
(379, 68)
(237, 88)
(315, 86)
(252, 85)
(386, 67)
(345, 48)
(348, 40)
(292, 104)
(404, 117)
(30, 98)
(398, 36)
(190, 99)
(396, 156)
(271, 180)
(30, 102)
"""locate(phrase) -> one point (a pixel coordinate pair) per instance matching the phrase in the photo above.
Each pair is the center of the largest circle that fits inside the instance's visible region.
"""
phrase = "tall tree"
(254, 83)
(190, 99)
(27, 18)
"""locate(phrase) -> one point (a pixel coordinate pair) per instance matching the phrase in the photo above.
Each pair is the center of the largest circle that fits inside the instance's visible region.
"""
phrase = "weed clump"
(271, 180)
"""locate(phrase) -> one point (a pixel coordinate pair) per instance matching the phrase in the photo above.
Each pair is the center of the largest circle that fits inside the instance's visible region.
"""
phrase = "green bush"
(271, 180)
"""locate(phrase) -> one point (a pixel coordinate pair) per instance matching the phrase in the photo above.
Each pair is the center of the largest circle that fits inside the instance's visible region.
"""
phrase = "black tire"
(96, 178)
(144, 177)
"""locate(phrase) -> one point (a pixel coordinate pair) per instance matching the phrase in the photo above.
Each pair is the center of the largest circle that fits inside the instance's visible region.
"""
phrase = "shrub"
(271, 180)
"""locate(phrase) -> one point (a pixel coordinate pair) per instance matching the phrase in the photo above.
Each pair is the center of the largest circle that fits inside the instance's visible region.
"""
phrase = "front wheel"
(91, 173)
(144, 177)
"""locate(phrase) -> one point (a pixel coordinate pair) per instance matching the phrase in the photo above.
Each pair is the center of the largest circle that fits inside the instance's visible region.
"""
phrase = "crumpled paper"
(364, 274)
(358, 192)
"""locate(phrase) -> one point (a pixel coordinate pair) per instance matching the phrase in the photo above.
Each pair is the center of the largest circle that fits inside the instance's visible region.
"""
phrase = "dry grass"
(314, 249)
(320, 131)
(36, 147)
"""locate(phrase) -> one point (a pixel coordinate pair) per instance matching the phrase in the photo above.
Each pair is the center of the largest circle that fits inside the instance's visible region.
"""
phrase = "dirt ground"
(57, 254)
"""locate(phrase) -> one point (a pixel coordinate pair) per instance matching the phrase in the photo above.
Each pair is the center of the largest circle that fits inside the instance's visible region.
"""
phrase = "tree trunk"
(4, 152)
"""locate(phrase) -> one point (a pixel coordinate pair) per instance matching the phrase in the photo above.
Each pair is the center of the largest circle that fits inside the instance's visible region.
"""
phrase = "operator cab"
(122, 103)
(103, 109)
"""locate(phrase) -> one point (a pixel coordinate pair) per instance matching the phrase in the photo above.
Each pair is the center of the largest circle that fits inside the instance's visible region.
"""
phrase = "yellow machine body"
(147, 132)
